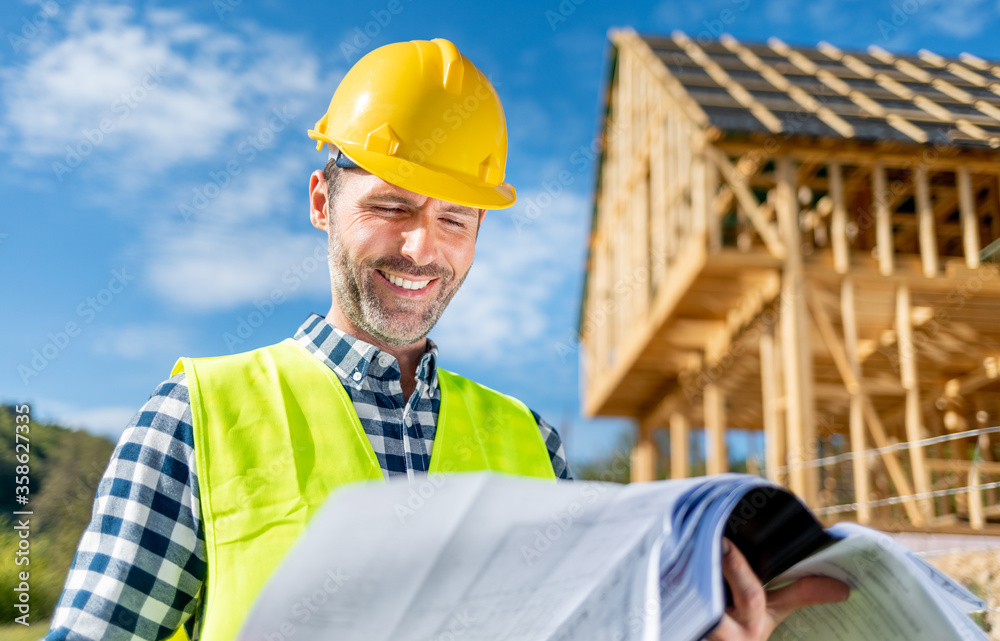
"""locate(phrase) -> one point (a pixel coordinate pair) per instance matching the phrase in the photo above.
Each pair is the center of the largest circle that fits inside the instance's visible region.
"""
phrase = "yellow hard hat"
(421, 116)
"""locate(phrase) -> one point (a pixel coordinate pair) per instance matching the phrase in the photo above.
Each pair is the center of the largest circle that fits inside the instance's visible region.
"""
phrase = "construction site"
(796, 242)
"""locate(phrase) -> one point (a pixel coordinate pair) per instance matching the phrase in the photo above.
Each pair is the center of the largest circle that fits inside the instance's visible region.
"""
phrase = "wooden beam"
(675, 91)
(955, 465)
(796, 93)
(862, 492)
(912, 276)
(976, 518)
(703, 219)
(838, 220)
(796, 357)
(657, 197)
(967, 211)
(883, 220)
(925, 216)
(744, 196)
(644, 458)
(863, 154)
(875, 426)
(908, 377)
(672, 183)
(737, 91)
(770, 384)
(715, 429)
(629, 347)
(680, 455)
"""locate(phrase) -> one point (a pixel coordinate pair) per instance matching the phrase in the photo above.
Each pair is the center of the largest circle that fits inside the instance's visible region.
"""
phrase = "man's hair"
(334, 178)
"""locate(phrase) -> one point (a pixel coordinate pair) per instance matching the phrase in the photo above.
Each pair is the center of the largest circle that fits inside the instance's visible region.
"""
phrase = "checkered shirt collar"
(350, 358)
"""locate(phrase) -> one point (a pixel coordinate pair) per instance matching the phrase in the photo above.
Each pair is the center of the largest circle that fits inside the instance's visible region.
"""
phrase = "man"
(220, 471)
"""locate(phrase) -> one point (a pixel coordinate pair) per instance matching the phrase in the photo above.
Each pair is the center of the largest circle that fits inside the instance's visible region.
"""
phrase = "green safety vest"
(275, 432)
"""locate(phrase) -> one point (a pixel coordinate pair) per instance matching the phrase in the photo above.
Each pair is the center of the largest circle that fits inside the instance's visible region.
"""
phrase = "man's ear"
(318, 201)
(482, 214)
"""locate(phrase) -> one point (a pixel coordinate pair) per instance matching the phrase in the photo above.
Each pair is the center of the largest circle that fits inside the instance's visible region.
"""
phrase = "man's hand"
(755, 613)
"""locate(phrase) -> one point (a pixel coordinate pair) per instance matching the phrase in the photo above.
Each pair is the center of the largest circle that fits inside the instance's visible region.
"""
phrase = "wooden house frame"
(789, 240)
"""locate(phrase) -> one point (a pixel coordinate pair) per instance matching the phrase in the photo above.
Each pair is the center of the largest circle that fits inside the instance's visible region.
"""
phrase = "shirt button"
(384, 360)
(408, 420)
(357, 376)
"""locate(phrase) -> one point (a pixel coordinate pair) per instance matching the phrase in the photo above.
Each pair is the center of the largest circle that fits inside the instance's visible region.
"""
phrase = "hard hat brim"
(433, 182)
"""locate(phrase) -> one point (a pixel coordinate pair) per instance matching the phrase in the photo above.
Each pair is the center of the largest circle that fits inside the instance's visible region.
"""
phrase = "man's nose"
(420, 242)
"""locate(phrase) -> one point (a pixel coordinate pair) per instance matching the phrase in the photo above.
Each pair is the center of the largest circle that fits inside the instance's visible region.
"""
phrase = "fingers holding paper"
(755, 612)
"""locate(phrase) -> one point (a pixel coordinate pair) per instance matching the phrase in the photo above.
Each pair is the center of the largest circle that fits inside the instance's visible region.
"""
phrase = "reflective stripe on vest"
(275, 432)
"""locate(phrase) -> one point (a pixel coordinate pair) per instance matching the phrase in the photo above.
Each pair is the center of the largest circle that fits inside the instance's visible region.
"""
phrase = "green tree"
(64, 469)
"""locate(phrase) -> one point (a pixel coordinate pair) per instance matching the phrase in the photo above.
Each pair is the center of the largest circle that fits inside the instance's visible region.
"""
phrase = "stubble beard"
(403, 321)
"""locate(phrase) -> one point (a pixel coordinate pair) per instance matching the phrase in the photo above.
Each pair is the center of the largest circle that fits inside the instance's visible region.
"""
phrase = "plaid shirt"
(140, 566)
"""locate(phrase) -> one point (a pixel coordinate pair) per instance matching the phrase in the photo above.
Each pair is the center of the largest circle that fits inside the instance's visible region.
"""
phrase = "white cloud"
(237, 249)
(215, 269)
(166, 90)
(108, 421)
(960, 18)
(212, 102)
(525, 259)
(139, 341)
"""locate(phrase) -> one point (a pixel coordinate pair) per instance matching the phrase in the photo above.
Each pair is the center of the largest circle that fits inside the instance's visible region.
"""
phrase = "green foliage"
(16, 632)
(65, 468)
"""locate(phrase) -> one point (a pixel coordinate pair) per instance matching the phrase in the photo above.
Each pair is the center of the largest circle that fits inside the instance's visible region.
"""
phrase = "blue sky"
(155, 171)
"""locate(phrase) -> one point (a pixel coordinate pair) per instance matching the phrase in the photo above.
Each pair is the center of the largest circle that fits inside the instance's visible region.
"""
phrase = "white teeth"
(405, 284)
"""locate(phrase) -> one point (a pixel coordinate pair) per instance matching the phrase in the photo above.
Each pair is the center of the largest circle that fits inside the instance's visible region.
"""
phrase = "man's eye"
(388, 210)
(455, 223)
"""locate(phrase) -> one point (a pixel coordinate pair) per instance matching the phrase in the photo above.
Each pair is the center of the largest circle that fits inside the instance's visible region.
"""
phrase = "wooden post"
(838, 220)
(883, 220)
(684, 178)
(925, 219)
(644, 457)
(976, 519)
(774, 435)
(862, 492)
(795, 345)
(601, 323)
(641, 267)
(702, 220)
(715, 429)
(967, 210)
(908, 377)
(657, 199)
(680, 454)
(671, 135)
(840, 360)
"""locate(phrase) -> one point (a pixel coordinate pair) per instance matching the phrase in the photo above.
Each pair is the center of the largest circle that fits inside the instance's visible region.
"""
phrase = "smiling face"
(396, 257)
